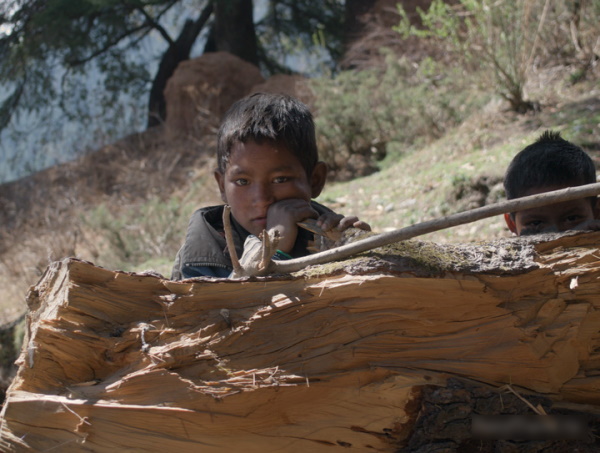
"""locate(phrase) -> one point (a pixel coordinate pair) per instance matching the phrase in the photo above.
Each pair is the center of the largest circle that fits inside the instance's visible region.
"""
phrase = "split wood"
(460, 218)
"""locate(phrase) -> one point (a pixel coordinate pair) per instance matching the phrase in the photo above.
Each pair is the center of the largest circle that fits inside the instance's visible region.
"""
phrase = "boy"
(268, 172)
(551, 163)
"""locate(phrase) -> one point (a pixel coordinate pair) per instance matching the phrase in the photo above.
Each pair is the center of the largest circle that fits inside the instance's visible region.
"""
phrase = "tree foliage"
(47, 38)
(51, 49)
(283, 30)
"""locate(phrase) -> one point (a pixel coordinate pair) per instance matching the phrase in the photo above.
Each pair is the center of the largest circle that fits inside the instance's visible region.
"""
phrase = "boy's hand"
(283, 215)
(333, 230)
(331, 220)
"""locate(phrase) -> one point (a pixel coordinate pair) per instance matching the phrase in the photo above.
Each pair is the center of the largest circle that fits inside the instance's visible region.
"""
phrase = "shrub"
(500, 37)
(360, 113)
(572, 35)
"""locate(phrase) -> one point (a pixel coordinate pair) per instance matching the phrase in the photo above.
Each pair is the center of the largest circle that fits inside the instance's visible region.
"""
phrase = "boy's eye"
(534, 223)
(281, 179)
(574, 218)
(241, 182)
(532, 227)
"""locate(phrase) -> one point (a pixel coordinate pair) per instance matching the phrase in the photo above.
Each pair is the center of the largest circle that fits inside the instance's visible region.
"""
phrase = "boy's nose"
(263, 194)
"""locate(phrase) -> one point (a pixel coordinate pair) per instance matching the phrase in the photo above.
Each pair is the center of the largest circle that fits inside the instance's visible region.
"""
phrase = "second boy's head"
(550, 163)
(267, 152)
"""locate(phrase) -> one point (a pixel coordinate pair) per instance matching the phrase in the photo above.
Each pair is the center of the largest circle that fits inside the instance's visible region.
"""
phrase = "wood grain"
(332, 357)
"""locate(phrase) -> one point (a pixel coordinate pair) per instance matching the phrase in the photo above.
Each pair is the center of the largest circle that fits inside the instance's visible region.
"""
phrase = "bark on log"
(397, 349)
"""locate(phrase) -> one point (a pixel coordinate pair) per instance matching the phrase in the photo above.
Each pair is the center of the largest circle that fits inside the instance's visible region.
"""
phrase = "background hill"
(439, 140)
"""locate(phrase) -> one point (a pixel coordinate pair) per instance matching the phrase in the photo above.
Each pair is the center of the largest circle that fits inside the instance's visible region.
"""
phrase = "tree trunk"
(354, 10)
(234, 29)
(410, 347)
(178, 51)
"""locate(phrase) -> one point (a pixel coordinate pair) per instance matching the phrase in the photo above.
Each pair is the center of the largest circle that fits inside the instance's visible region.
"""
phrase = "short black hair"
(549, 161)
(276, 118)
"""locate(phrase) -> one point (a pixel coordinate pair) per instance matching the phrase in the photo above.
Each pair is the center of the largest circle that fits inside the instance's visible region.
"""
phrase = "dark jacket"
(204, 252)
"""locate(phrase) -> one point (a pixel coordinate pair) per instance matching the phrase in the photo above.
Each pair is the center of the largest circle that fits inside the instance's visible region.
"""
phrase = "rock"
(294, 85)
(202, 89)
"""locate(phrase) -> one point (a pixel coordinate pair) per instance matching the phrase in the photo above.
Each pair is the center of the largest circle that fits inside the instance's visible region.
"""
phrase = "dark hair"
(549, 161)
(276, 118)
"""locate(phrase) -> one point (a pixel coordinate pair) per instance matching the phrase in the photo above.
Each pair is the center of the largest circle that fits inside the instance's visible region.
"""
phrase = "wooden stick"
(402, 234)
(229, 239)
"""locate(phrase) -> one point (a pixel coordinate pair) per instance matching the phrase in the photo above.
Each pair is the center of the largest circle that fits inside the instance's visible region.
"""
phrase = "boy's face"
(258, 175)
(551, 218)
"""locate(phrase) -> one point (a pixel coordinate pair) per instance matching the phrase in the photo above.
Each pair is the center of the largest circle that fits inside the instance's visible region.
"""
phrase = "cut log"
(398, 349)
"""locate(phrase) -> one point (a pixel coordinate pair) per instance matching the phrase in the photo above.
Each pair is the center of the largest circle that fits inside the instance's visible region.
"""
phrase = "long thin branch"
(372, 242)
(159, 15)
(109, 45)
(149, 24)
(229, 239)
(155, 25)
(537, 35)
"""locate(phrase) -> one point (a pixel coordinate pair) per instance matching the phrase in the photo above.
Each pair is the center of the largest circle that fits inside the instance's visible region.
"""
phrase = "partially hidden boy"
(268, 172)
(551, 163)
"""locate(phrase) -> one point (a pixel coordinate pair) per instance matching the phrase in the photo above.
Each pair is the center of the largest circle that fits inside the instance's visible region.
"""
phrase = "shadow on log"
(11, 339)
(405, 348)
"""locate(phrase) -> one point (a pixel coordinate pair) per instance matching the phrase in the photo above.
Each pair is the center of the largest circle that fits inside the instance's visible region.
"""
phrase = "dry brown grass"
(44, 215)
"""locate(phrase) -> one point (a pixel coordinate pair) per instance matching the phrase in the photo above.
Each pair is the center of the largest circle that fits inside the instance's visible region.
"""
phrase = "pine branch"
(149, 24)
(105, 48)
(155, 25)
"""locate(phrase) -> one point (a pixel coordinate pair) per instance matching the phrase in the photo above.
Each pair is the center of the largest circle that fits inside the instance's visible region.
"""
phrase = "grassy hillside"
(127, 205)
(464, 168)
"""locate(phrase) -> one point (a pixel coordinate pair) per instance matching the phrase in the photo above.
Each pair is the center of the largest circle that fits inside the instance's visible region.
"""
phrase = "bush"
(499, 37)
(572, 35)
(360, 113)
(505, 39)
